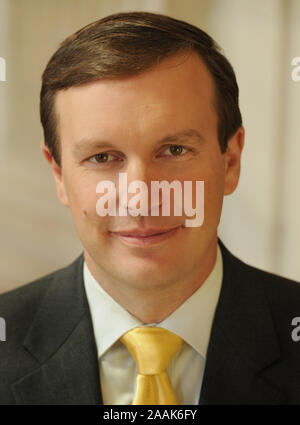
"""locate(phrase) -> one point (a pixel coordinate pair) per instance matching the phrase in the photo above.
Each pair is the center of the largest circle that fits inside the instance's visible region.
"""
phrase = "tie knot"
(152, 348)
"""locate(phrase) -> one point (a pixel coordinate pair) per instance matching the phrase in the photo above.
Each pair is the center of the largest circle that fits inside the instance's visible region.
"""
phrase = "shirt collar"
(111, 320)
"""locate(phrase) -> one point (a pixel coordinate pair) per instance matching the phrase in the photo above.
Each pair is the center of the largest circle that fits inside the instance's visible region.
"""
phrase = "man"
(153, 98)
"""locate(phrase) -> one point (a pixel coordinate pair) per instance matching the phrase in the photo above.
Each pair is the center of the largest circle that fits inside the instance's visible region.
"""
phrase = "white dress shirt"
(192, 321)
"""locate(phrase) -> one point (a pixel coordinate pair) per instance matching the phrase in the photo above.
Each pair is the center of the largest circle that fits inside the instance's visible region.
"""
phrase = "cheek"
(214, 192)
(83, 198)
(87, 222)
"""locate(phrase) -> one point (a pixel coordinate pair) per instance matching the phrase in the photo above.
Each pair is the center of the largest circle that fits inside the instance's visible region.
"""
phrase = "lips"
(144, 233)
(145, 238)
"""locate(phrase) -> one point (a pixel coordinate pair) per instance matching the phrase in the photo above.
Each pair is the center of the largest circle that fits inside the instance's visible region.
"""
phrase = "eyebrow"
(86, 145)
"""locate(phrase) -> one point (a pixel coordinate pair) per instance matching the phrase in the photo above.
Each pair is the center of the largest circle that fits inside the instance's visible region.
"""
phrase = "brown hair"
(125, 44)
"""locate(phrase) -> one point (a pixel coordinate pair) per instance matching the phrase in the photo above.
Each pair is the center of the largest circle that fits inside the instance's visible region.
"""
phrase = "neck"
(154, 304)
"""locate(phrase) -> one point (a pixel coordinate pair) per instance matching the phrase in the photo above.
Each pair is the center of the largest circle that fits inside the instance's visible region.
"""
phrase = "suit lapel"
(243, 341)
(62, 341)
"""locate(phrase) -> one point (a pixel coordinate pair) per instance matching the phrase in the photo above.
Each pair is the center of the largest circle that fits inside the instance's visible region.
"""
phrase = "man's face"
(140, 120)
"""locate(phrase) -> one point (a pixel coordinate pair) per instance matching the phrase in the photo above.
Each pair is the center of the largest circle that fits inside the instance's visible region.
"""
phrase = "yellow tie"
(152, 348)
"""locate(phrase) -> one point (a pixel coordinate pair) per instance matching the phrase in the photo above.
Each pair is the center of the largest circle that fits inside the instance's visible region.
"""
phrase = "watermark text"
(109, 197)
(2, 69)
(296, 71)
(296, 331)
(2, 329)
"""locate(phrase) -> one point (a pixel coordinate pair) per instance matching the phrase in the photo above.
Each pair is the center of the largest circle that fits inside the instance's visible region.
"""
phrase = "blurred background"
(260, 221)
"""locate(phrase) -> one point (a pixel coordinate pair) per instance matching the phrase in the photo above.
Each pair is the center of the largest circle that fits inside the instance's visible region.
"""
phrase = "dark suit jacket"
(49, 356)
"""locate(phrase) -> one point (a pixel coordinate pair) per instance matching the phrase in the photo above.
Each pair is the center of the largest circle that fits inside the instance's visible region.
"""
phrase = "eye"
(100, 158)
(176, 150)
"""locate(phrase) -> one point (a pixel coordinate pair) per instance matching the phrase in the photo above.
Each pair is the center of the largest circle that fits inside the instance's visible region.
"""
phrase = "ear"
(57, 174)
(233, 160)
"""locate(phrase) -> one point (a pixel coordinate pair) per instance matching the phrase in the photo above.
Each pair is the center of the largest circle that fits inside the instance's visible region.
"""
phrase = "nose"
(135, 189)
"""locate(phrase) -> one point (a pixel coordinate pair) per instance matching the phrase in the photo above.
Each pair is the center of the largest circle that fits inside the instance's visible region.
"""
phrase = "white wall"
(260, 220)
(4, 17)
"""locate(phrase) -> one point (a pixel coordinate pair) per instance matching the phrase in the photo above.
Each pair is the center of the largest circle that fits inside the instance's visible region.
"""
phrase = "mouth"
(139, 237)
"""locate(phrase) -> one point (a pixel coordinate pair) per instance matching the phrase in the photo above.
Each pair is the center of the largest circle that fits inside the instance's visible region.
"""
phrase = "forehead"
(177, 90)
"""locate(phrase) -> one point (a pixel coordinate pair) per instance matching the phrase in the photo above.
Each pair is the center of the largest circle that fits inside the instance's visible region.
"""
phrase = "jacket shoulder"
(19, 309)
(271, 282)
(278, 289)
(19, 306)
(282, 295)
